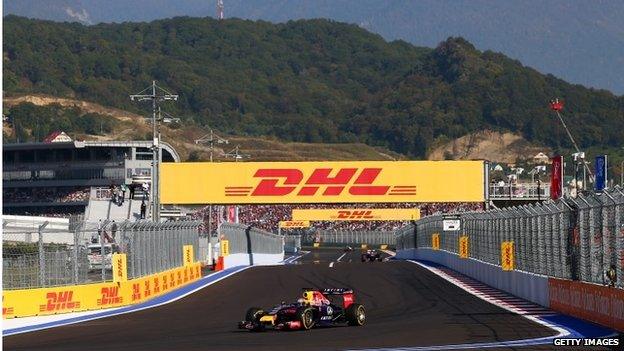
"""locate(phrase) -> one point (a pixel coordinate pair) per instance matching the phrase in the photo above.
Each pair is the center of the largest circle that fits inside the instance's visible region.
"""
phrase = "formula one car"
(371, 256)
(313, 309)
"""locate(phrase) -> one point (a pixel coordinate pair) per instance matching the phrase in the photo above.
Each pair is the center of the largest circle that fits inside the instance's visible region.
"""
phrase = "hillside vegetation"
(34, 116)
(305, 81)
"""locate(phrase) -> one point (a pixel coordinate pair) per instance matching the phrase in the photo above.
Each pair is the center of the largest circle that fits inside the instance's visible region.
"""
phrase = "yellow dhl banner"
(322, 182)
(357, 214)
(63, 299)
(294, 224)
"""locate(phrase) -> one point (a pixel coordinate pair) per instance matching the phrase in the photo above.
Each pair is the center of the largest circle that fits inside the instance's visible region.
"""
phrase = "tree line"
(307, 80)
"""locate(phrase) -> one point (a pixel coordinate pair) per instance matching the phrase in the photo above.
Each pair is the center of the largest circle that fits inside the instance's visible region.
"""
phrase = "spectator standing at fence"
(143, 208)
(114, 230)
(110, 191)
(114, 194)
(124, 188)
(99, 234)
(611, 275)
(131, 189)
(145, 188)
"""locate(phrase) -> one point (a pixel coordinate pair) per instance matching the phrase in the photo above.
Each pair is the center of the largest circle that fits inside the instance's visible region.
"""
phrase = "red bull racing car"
(313, 309)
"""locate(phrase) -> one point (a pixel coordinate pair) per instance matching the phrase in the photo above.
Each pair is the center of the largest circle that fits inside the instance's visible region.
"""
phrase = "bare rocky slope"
(488, 145)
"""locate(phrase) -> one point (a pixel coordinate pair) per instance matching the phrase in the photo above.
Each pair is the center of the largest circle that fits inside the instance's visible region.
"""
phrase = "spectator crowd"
(62, 194)
(267, 217)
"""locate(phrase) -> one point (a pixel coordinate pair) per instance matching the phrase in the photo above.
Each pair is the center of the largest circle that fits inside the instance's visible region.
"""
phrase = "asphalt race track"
(406, 306)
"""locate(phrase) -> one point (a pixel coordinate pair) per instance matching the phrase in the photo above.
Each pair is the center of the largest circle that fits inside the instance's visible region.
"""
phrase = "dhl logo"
(110, 296)
(165, 285)
(147, 291)
(120, 267)
(7, 311)
(58, 301)
(284, 181)
(136, 292)
(344, 214)
(156, 285)
(294, 224)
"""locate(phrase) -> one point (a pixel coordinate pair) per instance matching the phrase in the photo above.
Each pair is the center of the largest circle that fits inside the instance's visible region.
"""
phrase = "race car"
(371, 256)
(313, 309)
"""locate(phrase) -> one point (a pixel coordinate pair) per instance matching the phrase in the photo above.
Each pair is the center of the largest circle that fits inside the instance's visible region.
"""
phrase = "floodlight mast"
(210, 139)
(156, 98)
(236, 154)
(557, 106)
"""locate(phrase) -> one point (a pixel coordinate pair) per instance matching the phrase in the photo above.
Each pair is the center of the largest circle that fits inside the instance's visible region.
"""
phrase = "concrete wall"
(257, 259)
(528, 286)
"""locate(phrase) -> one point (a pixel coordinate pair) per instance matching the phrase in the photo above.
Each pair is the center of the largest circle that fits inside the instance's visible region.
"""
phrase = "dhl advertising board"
(357, 214)
(63, 299)
(322, 182)
(600, 304)
(294, 224)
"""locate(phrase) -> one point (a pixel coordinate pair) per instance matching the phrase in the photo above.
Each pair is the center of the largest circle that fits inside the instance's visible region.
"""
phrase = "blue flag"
(601, 172)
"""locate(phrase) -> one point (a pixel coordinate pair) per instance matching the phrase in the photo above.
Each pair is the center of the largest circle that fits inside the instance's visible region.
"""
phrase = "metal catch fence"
(349, 237)
(573, 238)
(44, 256)
(247, 239)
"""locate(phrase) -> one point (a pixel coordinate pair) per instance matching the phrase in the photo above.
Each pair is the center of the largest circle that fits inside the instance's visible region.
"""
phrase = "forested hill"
(311, 81)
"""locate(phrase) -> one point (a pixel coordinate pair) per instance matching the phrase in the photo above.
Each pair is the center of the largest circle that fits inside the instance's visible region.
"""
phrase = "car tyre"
(356, 315)
(306, 316)
(253, 315)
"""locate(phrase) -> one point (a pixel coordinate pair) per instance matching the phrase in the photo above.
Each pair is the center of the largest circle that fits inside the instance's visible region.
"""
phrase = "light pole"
(210, 139)
(146, 95)
(622, 173)
(236, 155)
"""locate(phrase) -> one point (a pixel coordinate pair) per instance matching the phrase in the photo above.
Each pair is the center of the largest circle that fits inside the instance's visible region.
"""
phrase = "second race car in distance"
(371, 256)
(313, 309)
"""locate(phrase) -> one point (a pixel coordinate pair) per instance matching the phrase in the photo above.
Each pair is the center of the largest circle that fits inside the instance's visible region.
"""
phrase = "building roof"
(83, 144)
(57, 136)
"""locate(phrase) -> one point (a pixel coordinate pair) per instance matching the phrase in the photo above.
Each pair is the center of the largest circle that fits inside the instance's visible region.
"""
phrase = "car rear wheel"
(306, 316)
(356, 315)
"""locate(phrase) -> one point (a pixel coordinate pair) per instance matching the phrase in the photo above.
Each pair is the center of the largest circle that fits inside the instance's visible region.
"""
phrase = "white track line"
(341, 256)
(562, 332)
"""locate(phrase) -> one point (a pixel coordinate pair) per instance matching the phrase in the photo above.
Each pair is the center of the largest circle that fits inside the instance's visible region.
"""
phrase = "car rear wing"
(336, 291)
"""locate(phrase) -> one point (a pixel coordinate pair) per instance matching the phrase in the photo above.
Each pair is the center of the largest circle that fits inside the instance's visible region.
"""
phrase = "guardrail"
(292, 243)
(247, 245)
(247, 239)
(65, 299)
(575, 238)
(47, 256)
